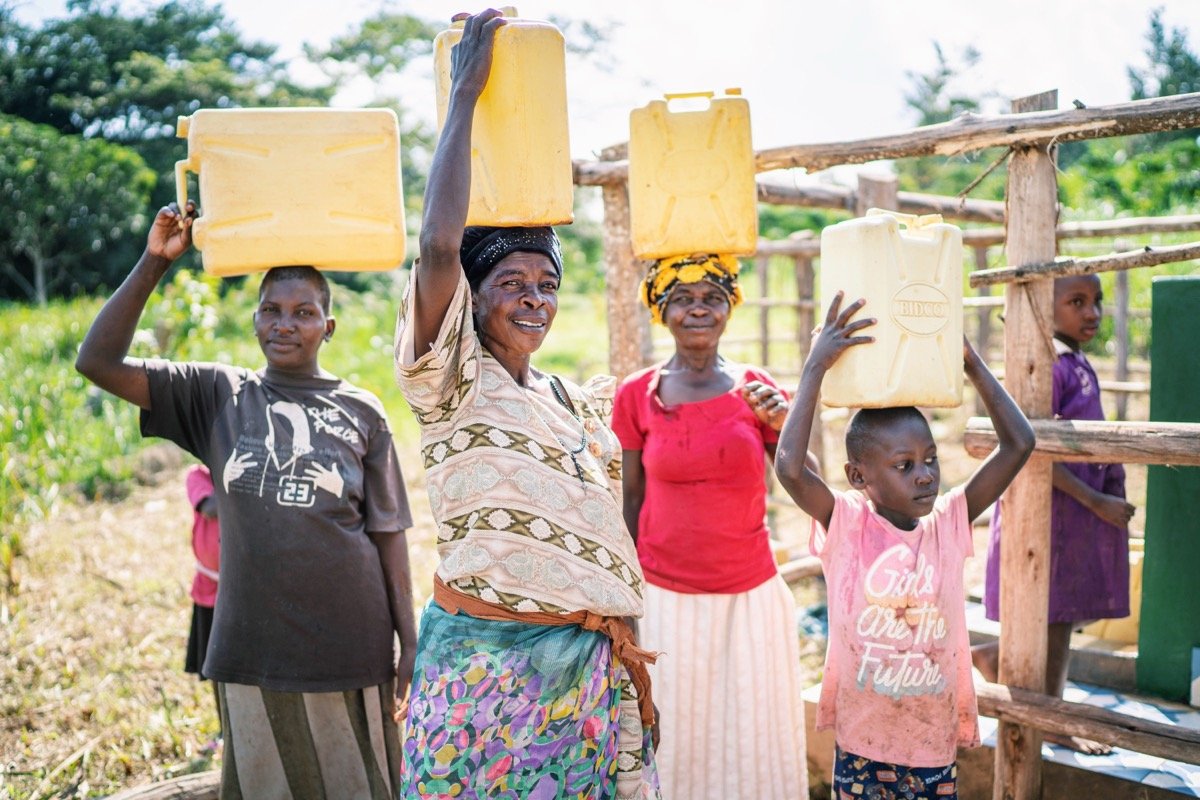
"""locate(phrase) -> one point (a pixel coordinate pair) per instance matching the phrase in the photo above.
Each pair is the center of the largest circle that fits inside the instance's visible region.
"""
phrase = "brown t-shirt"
(304, 469)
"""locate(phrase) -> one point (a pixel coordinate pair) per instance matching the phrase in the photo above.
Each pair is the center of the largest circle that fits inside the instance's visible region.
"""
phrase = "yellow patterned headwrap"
(667, 273)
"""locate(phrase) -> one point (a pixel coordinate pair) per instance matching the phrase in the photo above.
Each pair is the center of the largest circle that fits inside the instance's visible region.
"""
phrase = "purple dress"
(1089, 558)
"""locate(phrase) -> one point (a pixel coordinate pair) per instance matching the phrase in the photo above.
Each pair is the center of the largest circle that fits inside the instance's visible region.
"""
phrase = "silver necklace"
(573, 453)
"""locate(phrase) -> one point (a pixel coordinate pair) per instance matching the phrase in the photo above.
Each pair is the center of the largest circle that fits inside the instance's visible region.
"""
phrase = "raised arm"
(791, 457)
(103, 355)
(448, 191)
(1012, 429)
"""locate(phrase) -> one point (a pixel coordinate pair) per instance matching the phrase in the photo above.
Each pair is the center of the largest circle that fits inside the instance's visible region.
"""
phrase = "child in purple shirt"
(1089, 537)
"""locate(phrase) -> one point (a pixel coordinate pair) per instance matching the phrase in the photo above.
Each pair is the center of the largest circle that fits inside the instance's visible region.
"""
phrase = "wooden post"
(629, 345)
(877, 190)
(1121, 333)
(1025, 546)
(983, 332)
(762, 264)
(806, 320)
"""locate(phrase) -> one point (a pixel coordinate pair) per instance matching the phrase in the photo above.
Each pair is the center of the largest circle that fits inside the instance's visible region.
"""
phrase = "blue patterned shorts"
(858, 778)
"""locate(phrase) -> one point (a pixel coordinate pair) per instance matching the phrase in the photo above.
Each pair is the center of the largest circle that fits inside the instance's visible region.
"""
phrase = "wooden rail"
(846, 198)
(1052, 715)
(966, 133)
(1145, 257)
(1129, 226)
(1099, 442)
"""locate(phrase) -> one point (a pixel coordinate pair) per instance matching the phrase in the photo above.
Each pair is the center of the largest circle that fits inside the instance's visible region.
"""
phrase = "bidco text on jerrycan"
(691, 178)
(909, 270)
(520, 154)
(290, 186)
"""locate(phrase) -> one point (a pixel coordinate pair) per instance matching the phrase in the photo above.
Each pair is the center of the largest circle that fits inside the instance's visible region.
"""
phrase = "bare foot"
(1079, 745)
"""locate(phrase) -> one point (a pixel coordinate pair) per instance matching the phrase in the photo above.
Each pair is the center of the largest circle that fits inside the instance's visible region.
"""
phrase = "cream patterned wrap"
(515, 526)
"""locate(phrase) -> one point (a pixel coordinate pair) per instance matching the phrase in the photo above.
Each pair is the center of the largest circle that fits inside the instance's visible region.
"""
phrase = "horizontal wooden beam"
(969, 132)
(1128, 226)
(1131, 259)
(1052, 715)
(1099, 442)
(845, 198)
(802, 243)
(807, 196)
(965, 133)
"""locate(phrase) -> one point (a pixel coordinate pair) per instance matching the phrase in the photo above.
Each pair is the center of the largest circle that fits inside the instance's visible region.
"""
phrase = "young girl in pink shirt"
(897, 686)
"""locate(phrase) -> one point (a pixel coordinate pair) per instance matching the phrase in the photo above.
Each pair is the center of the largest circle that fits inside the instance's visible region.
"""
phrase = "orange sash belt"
(616, 629)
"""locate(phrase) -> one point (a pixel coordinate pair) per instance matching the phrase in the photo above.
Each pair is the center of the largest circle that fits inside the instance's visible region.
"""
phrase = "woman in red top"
(695, 430)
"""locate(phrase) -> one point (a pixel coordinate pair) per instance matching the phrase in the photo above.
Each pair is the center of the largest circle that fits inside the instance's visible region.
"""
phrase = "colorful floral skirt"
(511, 710)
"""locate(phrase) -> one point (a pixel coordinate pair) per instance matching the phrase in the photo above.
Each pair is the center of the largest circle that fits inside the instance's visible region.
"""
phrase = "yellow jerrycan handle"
(182, 168)
(910, 221)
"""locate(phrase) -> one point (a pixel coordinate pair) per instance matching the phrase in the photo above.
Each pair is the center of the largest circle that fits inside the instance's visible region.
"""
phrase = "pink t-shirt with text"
(897, 685)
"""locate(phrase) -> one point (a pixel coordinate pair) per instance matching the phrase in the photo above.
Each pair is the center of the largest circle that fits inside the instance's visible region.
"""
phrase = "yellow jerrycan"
(288, 186)
(909, 270)
(521, 170)
(691, 178)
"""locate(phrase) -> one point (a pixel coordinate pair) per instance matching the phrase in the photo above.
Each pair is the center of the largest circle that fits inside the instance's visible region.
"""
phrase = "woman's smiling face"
(516, 304)
(696, 313)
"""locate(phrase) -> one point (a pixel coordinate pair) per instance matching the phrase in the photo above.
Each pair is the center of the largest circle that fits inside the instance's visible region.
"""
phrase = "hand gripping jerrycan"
(521, 170)
(691, 178)
(290, 186)
(909, 270)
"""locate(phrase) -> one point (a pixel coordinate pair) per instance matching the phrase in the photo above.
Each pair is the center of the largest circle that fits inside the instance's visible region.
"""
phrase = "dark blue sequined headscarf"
(484, 247)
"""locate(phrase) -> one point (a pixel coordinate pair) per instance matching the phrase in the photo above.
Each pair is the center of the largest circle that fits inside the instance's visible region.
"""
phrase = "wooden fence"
(1030, 235)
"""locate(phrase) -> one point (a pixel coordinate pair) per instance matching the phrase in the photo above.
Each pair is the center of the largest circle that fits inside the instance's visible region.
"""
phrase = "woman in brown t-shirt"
(314, 564)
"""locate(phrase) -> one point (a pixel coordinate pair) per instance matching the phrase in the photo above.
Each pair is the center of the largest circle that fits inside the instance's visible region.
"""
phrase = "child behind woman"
(1089, 537)
(897, 686)
(206, 547)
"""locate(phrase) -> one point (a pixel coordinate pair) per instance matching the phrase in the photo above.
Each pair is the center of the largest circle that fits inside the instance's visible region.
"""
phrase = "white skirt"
(727, 686)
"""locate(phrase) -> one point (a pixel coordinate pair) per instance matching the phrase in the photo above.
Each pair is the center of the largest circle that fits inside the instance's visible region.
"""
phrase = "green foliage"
(1115, 176)
(126, 78)
(66, 202)
(1143, 175)
(930, 93)
(780, 222)
(1173, 68)
(934, 98)
(384, 44)
(100, 74)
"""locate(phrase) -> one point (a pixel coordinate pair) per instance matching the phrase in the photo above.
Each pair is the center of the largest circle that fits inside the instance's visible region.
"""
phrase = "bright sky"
(813, 72)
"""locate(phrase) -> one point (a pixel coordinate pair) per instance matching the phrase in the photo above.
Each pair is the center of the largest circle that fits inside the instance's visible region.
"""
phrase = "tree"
(934, 98)
(105, 76)
(102, 74)
(65, 201)
(1152, 174)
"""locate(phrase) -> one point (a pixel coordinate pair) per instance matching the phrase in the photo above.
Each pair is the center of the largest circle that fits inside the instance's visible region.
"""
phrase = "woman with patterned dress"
(696, 432)
(528, 683)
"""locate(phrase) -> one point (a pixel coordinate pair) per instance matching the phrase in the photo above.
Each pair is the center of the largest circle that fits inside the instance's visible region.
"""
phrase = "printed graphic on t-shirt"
(290, 464)
(1086, 386)
(901, 628)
